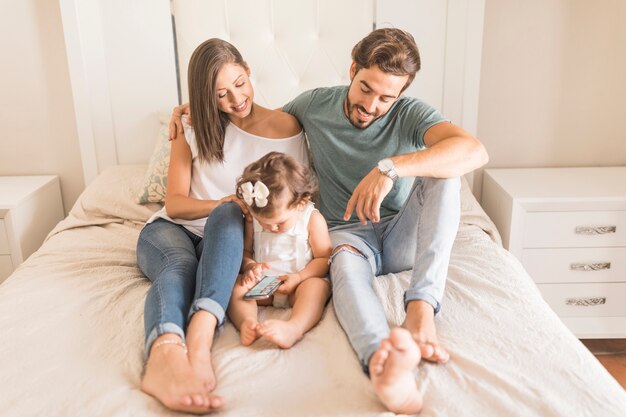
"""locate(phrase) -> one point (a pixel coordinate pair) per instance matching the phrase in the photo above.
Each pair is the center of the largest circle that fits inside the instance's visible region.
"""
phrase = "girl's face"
(234, 91)
(282, 219)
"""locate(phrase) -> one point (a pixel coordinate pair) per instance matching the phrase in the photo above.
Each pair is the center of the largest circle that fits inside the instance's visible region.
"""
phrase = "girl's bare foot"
(391, 371)
(170, 378)
(248, 331)
(420, 322)
(284, 334)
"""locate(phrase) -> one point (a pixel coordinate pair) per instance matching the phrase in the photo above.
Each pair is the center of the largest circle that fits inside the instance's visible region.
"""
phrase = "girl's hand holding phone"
(290, 282)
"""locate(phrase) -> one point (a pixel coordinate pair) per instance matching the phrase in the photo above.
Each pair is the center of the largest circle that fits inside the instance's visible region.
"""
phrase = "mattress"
(71, 344)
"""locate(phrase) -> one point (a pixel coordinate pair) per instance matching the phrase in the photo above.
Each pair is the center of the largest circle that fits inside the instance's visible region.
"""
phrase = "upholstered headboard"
(291, 46)
(126, 64)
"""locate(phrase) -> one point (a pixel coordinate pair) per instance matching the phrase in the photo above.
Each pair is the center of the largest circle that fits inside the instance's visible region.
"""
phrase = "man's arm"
(450, 153)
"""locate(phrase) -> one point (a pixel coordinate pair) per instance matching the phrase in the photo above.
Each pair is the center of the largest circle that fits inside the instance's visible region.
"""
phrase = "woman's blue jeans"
(189, 273)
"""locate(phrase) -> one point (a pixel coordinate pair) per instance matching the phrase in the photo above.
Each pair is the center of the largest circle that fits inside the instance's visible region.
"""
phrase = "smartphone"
(263, 289)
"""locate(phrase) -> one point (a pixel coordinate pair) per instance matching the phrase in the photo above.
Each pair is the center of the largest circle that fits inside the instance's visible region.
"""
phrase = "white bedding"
(71, 344)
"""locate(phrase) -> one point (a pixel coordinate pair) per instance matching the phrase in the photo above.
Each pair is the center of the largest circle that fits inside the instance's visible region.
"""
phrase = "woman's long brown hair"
(209, 123)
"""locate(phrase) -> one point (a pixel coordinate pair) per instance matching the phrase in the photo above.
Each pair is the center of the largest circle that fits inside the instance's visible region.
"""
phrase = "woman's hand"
(252, 273)
(234, 199)
(290, 282)
(176, 122)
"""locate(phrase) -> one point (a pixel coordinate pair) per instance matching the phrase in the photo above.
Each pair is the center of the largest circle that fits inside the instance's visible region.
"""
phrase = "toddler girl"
(286, 237)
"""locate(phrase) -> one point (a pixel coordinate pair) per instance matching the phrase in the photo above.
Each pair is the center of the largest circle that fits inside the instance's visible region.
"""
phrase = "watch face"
(385, 164)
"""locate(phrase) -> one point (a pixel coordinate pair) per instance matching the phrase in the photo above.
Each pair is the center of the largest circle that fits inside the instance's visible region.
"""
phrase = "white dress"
(286, 253)
(217, 180)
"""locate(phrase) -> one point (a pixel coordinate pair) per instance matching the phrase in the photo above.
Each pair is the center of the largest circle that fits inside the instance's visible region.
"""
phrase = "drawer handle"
(585, 302)
(598, 266)
(594, 230)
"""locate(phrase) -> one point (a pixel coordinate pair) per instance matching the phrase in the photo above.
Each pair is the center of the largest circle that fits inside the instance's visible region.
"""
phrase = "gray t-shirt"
(343, 154)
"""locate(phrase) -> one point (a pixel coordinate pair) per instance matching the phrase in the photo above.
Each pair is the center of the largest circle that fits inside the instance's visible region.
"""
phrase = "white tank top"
(212, 181)
(288, 252)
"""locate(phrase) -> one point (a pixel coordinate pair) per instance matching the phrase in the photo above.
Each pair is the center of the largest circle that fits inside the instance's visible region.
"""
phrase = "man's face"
(371, 94)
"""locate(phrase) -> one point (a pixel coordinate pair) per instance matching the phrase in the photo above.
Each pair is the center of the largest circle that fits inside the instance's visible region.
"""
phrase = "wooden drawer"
(6, 267)
(586, 300)
(4, 239)
(576, 264)
(574, 229)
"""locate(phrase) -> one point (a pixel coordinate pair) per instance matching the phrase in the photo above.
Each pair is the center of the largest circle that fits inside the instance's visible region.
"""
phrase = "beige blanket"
(71, 344)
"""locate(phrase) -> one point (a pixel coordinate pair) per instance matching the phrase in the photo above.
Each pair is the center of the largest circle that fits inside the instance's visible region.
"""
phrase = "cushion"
(155, 181)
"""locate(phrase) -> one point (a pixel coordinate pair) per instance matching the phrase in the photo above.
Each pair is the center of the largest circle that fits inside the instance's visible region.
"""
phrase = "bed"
(72, 333)
(72, 314)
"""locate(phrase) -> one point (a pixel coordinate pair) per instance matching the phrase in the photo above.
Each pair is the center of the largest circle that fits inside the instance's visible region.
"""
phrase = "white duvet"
(71, 334)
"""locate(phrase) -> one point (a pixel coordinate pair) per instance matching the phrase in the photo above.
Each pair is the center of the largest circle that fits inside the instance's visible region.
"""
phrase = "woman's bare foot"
(284, 334)
(391, 371)
(199, 341)
(170, 378)
(248, 331)
(420, 322)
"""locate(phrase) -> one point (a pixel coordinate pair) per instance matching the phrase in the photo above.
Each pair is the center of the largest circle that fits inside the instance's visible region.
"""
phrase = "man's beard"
(351, 108)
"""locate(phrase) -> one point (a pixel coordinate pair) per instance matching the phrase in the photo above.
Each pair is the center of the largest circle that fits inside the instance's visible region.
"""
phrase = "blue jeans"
(419, 237)
(189, 273)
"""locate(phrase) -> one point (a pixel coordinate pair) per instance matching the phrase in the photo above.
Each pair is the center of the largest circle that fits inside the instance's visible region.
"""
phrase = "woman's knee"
(155, 260)
(226, 216)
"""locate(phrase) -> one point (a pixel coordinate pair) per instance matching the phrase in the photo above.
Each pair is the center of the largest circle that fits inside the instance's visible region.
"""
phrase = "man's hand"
(176, 123)
(368, 196)
(290, 282)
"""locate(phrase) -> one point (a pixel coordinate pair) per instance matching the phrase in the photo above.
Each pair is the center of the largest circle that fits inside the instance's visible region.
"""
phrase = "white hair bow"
(256, 194)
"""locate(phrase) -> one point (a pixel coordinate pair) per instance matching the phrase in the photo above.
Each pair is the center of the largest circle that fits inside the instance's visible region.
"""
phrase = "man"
(388, 169)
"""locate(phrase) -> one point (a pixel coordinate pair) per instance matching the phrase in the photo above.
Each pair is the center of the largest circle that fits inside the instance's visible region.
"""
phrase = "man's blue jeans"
(189, 273)
(420, 237)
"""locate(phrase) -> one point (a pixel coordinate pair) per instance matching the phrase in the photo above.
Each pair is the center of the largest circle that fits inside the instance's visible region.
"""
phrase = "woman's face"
(234, 91)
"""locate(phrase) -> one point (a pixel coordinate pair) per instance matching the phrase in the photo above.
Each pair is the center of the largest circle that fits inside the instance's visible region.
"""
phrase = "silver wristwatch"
(386, 167)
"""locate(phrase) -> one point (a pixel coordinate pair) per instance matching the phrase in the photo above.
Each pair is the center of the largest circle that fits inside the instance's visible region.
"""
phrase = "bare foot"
(248, 331)
(170, 378)
(420, 322)
(282, 333)
(199, 341)
(391, 372)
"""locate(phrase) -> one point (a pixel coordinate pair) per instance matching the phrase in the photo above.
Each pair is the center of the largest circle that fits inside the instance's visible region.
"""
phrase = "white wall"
(552, 88)
(553, 83)
(38, 134)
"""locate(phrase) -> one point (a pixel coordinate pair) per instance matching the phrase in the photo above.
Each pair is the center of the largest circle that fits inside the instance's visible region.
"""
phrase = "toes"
(400, 338)
(216, 402)
(186, 401)
(434, 353)
(442, 355)
(379, 358)
(427, 350)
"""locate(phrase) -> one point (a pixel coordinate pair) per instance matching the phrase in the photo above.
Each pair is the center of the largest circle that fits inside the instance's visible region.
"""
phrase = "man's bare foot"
(248, 331)
(391, 371)
(170, 378)
(199, 341)
(284, 334)
(420, 322)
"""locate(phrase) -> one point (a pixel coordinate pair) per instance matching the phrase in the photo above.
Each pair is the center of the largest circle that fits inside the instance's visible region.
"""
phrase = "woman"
(192, 277)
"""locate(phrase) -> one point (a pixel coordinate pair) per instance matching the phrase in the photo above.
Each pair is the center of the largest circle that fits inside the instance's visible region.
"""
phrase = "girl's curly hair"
(280, 173)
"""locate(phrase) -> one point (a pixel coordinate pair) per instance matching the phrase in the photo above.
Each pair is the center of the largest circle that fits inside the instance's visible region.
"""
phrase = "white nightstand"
(30, 206)
(568, 228)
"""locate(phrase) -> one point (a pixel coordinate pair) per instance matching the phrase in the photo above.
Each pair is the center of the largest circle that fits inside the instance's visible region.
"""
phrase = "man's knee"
(348, 248)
